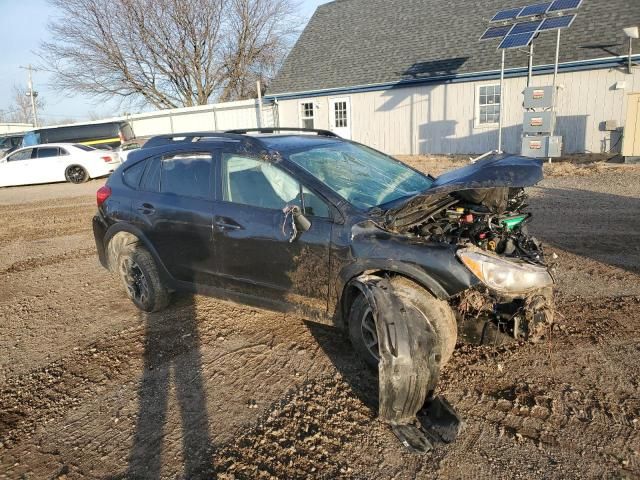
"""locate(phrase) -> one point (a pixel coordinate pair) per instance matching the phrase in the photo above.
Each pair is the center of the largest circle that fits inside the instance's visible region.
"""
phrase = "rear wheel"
(140, 276)
(438, 317)
(76, 174)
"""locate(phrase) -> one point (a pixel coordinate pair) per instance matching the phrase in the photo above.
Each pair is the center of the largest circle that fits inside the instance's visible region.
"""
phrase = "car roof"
(65, 145)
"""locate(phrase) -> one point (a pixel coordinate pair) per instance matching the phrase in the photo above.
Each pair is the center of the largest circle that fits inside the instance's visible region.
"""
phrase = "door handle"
(147, 209)
(226, 224)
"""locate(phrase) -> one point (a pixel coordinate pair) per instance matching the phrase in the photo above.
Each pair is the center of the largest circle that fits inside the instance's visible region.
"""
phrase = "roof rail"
(323, 133)
(187, 137)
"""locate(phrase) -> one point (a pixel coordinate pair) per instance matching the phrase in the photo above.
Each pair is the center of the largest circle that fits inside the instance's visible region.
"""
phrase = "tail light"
(107, 159)
(102, 194)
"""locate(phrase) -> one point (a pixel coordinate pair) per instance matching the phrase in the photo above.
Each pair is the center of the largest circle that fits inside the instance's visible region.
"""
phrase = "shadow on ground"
(171, 357)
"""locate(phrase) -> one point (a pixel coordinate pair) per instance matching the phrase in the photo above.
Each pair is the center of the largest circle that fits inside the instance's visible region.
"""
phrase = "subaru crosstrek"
(402, 262)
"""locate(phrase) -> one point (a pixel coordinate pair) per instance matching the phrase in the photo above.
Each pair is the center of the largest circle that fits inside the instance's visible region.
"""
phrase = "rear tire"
(438, 317)
(139, 275)
(76, 174)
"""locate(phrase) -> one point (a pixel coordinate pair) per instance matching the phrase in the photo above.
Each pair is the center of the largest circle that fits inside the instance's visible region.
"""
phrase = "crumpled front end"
(482, 210)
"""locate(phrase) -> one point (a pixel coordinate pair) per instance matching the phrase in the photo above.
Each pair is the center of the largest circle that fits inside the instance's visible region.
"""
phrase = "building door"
(631, 144)
(340, 117)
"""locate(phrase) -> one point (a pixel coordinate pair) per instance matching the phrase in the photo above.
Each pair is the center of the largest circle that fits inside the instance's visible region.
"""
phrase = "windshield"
(363, 177)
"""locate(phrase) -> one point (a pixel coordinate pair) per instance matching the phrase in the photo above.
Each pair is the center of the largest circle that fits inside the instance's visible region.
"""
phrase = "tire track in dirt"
(53, 220)
(39, 262)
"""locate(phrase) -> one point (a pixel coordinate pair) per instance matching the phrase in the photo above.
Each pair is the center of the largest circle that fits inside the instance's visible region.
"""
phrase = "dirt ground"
(92, 388)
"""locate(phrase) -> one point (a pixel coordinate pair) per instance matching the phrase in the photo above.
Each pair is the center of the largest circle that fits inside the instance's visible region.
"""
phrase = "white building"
(411, 76)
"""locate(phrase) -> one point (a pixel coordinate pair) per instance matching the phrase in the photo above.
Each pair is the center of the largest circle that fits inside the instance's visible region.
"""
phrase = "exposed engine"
(492, 219)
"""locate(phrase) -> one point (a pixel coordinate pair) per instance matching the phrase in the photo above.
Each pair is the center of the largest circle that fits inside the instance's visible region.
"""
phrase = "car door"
(256, 254)
(46, 165)
(174, 208)
(16, 168)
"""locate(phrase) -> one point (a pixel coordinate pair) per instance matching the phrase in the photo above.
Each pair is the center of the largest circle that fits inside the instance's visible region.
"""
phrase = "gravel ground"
(92, 388)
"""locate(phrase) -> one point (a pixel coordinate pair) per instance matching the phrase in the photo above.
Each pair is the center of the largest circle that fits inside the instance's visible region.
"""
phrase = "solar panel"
(516, 41)
(534, 10)
(556, 23)
(525, 27)
(503, 15)
(495, 32)
(558, 5)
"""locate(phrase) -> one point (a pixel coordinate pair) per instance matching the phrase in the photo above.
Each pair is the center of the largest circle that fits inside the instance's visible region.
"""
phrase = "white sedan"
(56, 162)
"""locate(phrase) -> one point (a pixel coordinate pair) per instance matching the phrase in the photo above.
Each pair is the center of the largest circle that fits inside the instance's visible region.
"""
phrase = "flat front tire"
(438, 316)
(141, 279)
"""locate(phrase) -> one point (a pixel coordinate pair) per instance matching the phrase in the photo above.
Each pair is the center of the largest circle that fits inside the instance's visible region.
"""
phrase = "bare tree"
(20, 110)
(167, 53)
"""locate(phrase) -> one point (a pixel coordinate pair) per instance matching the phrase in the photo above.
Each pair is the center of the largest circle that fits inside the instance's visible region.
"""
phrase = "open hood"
(489, 178)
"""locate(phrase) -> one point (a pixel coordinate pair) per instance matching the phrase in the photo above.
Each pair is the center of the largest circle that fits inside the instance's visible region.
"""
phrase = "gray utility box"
(538, 97)
(539, 122)
(539, 146)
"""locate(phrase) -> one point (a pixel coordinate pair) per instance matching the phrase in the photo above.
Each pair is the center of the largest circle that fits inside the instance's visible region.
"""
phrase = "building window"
(488, 104)
(307, 115)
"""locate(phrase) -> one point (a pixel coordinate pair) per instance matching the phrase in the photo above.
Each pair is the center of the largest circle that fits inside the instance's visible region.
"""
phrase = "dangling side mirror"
(299, 223)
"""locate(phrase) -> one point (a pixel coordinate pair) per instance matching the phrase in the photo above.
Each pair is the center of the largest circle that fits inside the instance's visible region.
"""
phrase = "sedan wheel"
(76, 174)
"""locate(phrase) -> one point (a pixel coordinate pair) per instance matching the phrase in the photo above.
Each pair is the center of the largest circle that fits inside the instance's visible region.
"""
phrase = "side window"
(488, 98)
(63, 152)
(131, 176)
(21, 155)
(151, 180)
(187, 175)
(46, 152)
(253, 182)
(313, 205)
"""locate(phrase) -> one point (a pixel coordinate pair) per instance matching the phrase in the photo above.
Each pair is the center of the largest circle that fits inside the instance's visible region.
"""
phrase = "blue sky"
(22, 28)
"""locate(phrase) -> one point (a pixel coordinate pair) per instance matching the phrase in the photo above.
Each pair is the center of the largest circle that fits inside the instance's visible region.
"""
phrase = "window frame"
(301, 110)
(220, 195)
(12, 154)
(477, 120)
(212, 173)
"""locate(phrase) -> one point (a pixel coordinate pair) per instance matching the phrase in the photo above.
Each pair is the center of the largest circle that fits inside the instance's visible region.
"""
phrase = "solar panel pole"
(502, 97)
(530, 74)
(555, 83)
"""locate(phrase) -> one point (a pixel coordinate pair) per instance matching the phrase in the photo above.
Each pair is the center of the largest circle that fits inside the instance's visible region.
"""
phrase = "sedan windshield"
(363, 177)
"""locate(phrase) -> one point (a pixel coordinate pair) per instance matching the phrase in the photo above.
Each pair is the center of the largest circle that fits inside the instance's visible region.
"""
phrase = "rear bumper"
(99, 232)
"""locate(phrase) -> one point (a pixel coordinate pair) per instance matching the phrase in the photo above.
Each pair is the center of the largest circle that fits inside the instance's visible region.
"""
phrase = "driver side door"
(252, 234)
(15, 168)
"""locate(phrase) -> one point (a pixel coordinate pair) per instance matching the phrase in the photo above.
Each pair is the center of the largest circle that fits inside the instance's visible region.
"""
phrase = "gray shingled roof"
(363, 42)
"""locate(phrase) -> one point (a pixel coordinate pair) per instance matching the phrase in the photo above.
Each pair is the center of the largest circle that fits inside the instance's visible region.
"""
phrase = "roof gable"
(365, 42)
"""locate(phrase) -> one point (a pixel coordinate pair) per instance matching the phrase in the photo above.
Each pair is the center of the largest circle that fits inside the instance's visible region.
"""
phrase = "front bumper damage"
(489, 318)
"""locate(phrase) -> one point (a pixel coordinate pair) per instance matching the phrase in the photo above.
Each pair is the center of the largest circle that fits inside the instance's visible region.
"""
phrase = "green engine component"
(512, 222)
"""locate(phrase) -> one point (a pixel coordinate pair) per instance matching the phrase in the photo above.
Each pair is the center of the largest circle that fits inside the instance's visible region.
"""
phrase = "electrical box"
(539, 146)
(539, 122)
(611, 125)
(538, 97)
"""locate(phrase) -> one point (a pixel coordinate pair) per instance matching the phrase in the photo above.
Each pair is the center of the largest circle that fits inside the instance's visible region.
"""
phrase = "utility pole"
(33, 94)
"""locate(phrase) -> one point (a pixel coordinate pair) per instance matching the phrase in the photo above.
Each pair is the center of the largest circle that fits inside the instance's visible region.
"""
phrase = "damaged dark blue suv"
(403, 262)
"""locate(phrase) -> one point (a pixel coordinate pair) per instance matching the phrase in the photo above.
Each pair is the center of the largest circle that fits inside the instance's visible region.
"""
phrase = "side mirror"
(299, 223)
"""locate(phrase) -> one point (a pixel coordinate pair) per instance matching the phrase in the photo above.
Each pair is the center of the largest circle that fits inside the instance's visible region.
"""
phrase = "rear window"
(151, 180)
(132, 175)
(187, 175)
(45, 152)
(86, 148)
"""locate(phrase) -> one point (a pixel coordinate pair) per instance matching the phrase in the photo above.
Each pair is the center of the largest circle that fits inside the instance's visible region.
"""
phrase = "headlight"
(505, 276)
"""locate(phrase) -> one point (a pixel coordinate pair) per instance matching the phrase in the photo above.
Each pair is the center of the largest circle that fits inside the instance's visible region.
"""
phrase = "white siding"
(441, 118)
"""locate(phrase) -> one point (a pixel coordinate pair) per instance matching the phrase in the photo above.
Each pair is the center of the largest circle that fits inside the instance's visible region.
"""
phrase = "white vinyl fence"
(220, 116)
